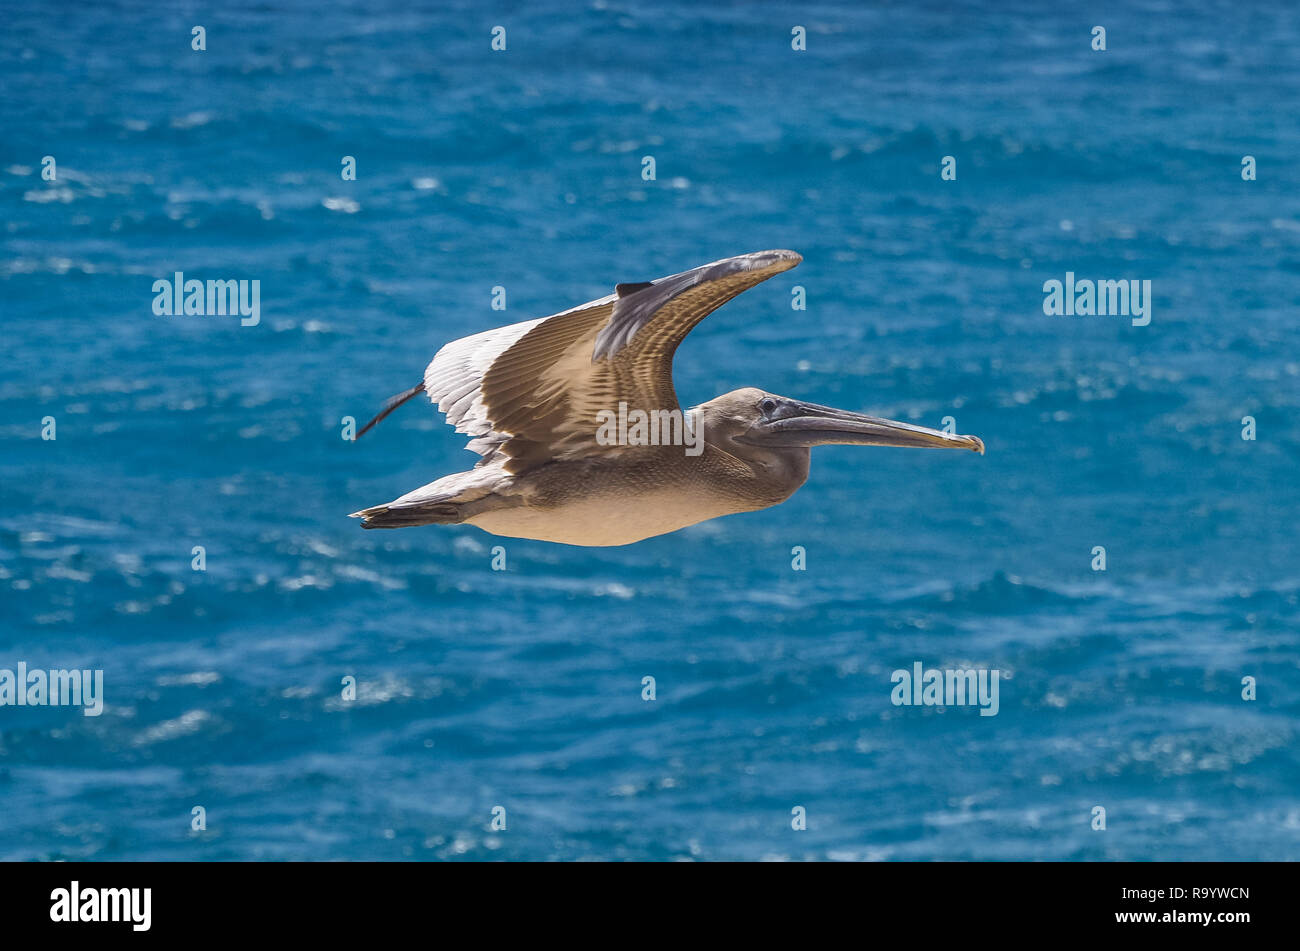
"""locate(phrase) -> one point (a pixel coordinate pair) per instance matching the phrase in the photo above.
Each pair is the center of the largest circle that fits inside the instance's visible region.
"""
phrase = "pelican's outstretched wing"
(532, 391)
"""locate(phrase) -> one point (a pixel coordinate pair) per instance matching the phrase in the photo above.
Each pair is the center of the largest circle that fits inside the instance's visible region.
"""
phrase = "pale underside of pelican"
(537, 399)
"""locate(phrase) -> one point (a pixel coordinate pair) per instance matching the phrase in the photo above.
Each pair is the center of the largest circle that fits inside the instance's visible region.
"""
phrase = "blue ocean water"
(522, 688)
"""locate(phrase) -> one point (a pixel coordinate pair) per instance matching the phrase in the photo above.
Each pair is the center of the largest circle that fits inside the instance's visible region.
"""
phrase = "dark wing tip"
(391, 404)
(764, 258)
(638, 302)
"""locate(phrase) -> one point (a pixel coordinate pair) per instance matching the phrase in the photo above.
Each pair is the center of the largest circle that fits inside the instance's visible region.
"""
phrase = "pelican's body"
(589, 502)
(539, 399)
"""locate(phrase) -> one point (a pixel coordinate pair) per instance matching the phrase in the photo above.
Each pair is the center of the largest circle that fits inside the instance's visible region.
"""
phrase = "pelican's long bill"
(807, 424)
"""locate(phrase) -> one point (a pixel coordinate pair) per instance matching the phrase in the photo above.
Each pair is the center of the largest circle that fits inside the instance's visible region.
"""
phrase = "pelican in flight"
(582, 438)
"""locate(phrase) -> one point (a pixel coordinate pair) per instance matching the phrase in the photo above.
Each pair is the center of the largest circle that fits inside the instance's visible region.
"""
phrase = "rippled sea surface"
(522, 688)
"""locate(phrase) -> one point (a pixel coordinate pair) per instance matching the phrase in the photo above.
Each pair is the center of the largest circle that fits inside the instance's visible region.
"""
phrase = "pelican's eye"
(767, 406)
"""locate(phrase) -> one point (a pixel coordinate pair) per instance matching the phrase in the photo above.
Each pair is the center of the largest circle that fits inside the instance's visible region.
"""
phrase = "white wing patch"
(454, 378)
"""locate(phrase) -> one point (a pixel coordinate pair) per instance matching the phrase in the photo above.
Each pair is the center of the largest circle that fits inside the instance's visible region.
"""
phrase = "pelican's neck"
(765, 476)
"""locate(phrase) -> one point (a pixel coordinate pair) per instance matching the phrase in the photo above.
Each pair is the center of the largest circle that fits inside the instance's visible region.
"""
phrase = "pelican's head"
(752, 418)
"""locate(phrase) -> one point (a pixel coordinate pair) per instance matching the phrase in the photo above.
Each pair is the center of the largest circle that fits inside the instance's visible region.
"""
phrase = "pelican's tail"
(449, 501)
(390, 516)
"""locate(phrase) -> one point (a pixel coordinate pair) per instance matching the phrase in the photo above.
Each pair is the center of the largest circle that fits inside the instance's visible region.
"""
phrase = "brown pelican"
(565, 459)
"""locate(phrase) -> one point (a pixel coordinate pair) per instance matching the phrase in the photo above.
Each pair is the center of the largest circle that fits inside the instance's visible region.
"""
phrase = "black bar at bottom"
(333, 901)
